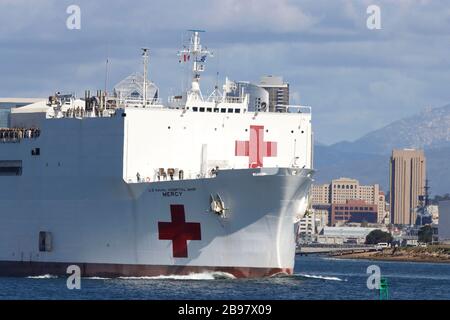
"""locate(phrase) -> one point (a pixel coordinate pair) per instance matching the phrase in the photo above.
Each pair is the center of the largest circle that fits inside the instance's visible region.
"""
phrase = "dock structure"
(341, 250)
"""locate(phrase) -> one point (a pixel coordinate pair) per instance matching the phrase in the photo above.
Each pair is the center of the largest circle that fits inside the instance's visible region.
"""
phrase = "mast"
(197, 54)
(427, 193)
(145, 55)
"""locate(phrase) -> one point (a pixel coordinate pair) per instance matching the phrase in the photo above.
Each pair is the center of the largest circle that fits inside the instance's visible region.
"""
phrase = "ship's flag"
(184, 58)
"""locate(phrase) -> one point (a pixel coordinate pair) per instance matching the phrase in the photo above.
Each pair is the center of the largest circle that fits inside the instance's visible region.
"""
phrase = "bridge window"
(209, 110)
(10, 167)
(223, 110)
(230, 110)
(202, 109)
(216, 109)
(36, 151)
(195, 109)
(237, 110)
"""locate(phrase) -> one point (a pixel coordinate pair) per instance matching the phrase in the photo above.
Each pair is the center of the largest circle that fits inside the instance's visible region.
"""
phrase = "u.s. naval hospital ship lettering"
(172, 192)
(98, 187)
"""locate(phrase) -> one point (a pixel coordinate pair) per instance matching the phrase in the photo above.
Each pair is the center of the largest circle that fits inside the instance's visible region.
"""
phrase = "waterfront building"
(6, 104)
(353, 211)
(307, 228)
(444, 221)
(342, 235)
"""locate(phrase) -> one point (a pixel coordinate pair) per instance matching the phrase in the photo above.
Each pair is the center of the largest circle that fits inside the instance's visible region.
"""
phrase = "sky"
(356, 79)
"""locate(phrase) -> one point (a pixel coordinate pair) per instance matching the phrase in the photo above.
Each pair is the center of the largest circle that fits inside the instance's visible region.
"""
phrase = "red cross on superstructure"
(256, 148)
(179, 231)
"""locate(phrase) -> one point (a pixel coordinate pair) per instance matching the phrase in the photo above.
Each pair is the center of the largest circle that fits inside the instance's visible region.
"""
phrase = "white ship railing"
(234, 100)
(237, 100)
(137, 102)
(294, 109)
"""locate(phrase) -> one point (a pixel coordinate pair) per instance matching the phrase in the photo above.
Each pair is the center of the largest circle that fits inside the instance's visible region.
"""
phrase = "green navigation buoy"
(384, 289)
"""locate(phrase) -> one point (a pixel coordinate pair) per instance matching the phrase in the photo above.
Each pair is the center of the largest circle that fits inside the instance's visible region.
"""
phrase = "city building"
(342, 235)
(307, 228)
(383, 212)
(444, 221)
(353, 211)
(6, 104)
(434, 210)
(320, 194)
(278, 92)
(407, 182)
(258, 97)
(321, 216)
(339, 191)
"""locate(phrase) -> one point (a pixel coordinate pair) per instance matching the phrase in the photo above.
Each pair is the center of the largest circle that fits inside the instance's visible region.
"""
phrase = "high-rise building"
(278, 92)
(407, 181)
(258, 97)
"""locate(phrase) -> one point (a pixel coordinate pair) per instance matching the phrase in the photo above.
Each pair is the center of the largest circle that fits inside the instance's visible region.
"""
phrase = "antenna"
(197, 55)
(217, 80)
(145, 55)
(427, 192)
(106, 75)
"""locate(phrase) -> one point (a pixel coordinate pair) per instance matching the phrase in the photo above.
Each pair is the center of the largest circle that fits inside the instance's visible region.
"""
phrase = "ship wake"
(319, 277)
(44, 276)
(191, 276)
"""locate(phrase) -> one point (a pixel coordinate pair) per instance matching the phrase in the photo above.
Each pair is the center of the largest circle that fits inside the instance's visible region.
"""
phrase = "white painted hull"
(111, 228)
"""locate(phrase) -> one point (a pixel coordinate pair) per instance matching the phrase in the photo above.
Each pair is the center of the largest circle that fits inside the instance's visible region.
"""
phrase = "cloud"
(259, 16)
(355, 79)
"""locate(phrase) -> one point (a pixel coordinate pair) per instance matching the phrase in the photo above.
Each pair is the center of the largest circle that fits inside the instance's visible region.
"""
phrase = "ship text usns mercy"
(132, 187)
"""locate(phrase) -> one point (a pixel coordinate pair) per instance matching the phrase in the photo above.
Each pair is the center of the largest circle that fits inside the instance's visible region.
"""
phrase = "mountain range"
(367, 158)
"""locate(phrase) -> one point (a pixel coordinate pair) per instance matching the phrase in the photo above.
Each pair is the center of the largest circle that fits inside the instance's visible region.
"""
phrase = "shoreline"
(427, 255)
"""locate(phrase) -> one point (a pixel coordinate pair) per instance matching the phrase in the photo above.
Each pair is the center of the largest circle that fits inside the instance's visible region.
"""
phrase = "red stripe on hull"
(24, 269)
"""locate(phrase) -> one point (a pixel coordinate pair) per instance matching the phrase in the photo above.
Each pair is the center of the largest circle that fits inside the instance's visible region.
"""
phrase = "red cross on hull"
(179, 231)
(256, 148)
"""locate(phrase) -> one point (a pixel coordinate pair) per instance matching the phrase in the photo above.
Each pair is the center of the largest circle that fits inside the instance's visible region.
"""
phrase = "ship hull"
(111, 228)
(27, 269)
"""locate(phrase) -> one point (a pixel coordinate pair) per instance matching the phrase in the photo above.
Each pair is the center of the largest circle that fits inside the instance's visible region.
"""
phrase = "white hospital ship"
(127, 186)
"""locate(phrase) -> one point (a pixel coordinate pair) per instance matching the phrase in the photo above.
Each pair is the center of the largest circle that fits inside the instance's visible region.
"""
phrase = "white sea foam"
(319, 277)
(192, 276)
(45, 276)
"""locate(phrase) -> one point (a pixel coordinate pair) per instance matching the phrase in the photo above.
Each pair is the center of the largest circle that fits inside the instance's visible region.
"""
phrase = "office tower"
(407, 182)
